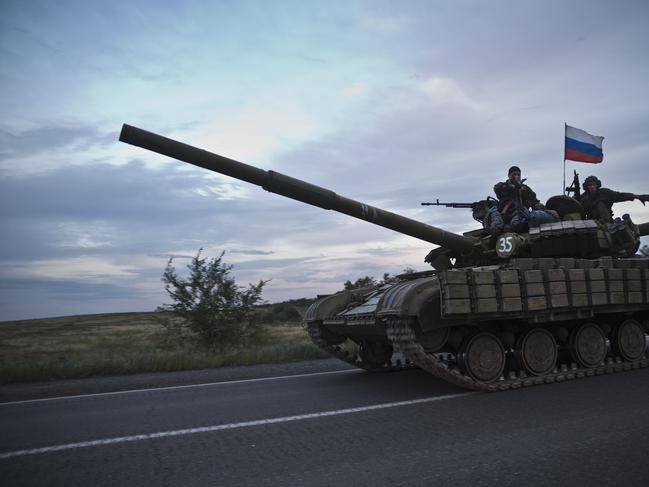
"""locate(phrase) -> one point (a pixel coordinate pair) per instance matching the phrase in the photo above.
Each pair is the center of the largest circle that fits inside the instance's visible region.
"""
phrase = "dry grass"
(126, 343)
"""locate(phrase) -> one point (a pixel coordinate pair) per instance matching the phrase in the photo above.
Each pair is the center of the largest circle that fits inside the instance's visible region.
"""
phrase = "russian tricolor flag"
(582, 147)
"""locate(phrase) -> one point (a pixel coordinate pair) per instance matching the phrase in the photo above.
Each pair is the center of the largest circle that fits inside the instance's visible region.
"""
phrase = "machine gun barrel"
(294, 188)
(449, 205)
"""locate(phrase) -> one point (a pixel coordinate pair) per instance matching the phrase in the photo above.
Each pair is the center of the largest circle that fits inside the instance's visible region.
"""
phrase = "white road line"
(188, 386)
(219, 427)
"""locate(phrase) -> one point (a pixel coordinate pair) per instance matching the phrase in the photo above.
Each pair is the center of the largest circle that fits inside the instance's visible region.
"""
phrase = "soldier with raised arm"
(598, 201)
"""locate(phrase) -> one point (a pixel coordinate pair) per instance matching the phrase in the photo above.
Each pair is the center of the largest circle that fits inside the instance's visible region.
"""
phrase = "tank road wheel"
(434, 341)
(629, 340)
(376, 354)
(482, 357)
(588, 345)
(536, 351)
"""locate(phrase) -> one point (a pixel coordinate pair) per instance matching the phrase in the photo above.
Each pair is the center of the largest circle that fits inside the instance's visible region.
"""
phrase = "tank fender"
(333, 304)
(418, 298)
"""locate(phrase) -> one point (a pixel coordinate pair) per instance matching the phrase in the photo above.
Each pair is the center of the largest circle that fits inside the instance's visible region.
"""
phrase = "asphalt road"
(346, 427)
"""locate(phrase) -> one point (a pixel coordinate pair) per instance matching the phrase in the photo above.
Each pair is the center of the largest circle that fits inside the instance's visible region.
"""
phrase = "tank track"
(313, 328)
(403, 339)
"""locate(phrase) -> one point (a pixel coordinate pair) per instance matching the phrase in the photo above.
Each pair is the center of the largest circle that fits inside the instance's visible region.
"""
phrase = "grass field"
(126, 343)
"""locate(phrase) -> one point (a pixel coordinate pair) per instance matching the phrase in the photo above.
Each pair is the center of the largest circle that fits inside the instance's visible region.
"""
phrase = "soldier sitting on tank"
(518, 205)
(598, 201)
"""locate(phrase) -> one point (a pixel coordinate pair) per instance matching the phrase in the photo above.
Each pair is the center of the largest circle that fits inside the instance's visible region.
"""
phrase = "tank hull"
(527, 322)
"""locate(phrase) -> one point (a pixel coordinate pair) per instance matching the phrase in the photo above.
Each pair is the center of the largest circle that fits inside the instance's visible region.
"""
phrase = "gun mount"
(545, 312)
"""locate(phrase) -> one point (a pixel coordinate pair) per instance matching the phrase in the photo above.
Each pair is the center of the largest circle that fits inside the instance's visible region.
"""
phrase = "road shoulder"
(97, 385)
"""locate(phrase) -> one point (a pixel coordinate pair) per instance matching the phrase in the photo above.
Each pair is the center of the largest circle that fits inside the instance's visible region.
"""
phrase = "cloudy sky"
(390, 103)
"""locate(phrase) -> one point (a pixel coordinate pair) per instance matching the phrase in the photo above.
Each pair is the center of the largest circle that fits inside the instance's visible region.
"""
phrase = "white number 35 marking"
(505, 244)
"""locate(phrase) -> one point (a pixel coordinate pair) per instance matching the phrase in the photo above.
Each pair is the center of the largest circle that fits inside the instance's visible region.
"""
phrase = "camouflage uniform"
(507, 195)
(517, 211)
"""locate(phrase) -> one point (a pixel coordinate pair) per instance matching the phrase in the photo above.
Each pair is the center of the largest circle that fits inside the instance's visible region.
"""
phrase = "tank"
(567, 300)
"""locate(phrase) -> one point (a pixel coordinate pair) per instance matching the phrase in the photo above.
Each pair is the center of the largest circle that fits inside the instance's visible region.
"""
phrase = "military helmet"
(591, 179)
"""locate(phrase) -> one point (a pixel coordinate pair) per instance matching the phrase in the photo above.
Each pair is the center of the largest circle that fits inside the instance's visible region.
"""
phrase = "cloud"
(86, 268)
(250, 251)
(386, 24)
(224, 191)
(445, 90)
(324, 94)
(89, 235)
(254, 133)
(48, 138)
(311, 59)
(173, 256)
(355, 90)
(122, 224)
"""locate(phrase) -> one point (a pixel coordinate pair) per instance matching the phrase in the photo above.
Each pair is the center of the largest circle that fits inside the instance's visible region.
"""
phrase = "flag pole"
(564, 156)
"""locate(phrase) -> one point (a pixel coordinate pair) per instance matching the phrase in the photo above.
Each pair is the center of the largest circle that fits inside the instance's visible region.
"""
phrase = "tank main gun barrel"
(294, 188)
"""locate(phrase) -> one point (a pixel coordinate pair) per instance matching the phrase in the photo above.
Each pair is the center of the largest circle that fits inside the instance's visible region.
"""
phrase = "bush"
(218, 311)
(283, 313)
(360, 282)
(368, 281)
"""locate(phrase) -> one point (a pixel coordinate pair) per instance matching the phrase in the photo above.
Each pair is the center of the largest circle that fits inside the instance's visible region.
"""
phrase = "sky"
(390, 103)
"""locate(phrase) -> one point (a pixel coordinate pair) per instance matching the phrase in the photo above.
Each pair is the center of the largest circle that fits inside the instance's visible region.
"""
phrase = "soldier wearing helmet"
(598, 201)
(518, 205)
